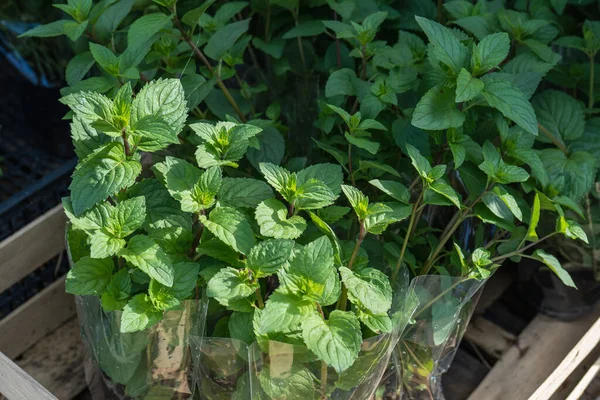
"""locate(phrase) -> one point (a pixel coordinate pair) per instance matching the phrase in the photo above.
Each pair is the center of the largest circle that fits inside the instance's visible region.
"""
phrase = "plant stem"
(411, 223)
(199, 55)
(350, 171)
(323, 379)
(259, 300)
(519, 251)
(553, 139)
(439, 11)
(591, 94)
(125, 142)
(341, 304)
(196, 241)
(363, 72)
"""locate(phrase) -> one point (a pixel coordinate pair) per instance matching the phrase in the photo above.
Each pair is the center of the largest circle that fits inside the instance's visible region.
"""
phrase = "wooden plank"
(577, 354)
(36, 318)
(56, 361)
(569, 385)
(489, 337)
(589, 376)
(539, 349)
(30, 247)
(16, 384)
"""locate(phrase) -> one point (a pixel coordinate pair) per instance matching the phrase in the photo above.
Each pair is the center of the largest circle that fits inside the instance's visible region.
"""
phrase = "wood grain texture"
(56, 361)
(572, 360)
(489, 337)
(538, 351)
(33, 320)
(30, 247)
(16, 384)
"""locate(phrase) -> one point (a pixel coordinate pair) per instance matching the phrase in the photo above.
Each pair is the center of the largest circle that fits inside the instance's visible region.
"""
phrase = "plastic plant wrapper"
(429, 342)
(227, 368)
(152, 364)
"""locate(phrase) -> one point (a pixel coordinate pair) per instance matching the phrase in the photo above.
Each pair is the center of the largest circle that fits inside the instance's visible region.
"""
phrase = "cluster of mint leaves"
(471, 122)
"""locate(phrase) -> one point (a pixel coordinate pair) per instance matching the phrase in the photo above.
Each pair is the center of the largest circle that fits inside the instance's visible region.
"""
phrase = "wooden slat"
(489, 337)
(36, 318)
(539, 350)
(577, 354)
(31, 247)
(56, 361)
(16, 384)
(585, 381)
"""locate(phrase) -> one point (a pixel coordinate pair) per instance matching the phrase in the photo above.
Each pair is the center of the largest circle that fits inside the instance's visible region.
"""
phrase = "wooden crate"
(41, 354)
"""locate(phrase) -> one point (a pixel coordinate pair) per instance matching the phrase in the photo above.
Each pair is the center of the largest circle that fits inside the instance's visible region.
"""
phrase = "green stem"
(591, 94)
(411, 223)
(259, 299)
(323, 379)
(125, 142)
(197, 236)
(199, 55)
(520, 251)
(341, 304)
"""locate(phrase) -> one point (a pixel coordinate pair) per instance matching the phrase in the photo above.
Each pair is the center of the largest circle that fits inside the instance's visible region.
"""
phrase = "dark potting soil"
(37, 160)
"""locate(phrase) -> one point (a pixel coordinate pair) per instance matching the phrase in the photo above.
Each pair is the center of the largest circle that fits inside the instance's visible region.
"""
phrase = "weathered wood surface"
(583, 384)
(573, 359)
(36, 318)
(31, 246)
(56, 361)
(16, 384)
(539, 349)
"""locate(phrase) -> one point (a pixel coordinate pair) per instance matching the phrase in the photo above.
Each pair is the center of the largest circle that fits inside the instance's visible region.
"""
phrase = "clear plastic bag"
(227, 368)
(155, 363)
(429, 342)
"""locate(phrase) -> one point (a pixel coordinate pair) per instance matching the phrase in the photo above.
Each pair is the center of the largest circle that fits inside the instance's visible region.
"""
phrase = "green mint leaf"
(89, 276)
(380, 323)
(369, 289)
(102, 174)
(164, 99)
(85, 138)
(272, 147)
(271, 216)
(332, 214)
(312, 195)
(267, 257)
(308, 28)
(551, 262)
(467, 86)
(276, 176)
(534, 219)
(145, 254)
(104, 245)
(357, 200)
(447, 191)
(392, 188)
(162, 210)
(240, 327)
(160, 298)
(126, 217)
(78, 67)
(117, 291)
(154, 132)
(224, 39)
(310, 270)
(436, 173)
(420, 163)
(90, 106)
(274, 48)
(490, 52)
(560, 115)
(511, 102)
(571, 175)
(381, 215)
(340, 332)
(231, 227)
(243, 192)
(446, 46)
(106, 59)
(341, 83)
(230, 284)
(139, 314)
(77, 241)
(283, 311)
(184, 281)
(437, 110)
(330, 174)
(481, 257)
(365, 144)
(574, 231)
(509, 200)
(52, 29)
(298, 383)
